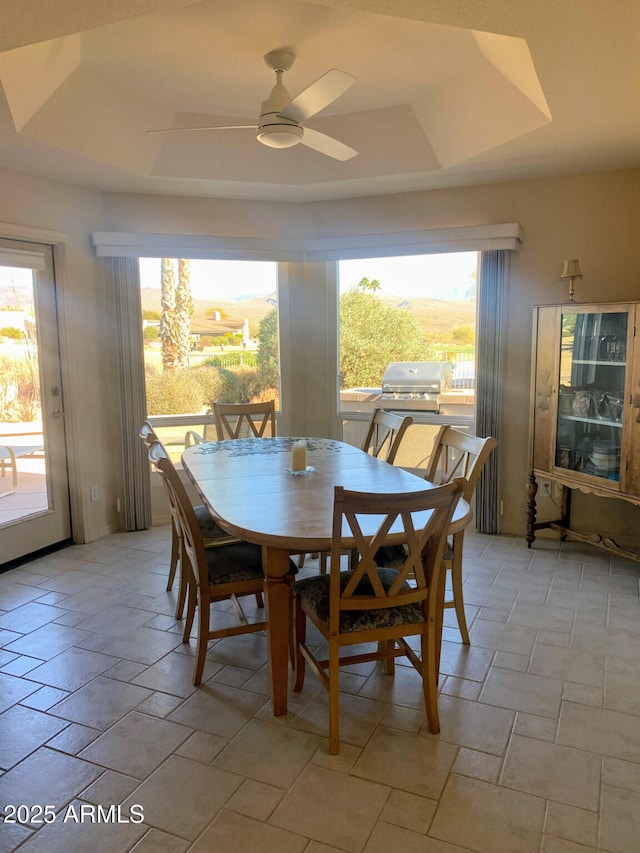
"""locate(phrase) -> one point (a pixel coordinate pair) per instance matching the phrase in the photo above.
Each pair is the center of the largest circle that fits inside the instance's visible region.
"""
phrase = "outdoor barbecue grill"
(415, 385)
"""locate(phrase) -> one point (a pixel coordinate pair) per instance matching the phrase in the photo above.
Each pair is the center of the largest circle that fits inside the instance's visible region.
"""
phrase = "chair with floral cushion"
(222, 571)
(458, 454)
(382, 439)
(373, 604)
(212, 533)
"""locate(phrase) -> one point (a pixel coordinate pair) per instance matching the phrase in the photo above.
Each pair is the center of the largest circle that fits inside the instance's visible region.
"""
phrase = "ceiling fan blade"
(327, 145)
(203, 127)
(318, 95)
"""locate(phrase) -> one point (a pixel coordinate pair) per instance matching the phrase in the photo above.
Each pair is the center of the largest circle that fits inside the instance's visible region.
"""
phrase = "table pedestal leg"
(278, 604)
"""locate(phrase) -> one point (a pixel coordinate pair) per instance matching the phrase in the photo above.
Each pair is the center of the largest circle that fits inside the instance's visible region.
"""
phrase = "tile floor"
(539, 748)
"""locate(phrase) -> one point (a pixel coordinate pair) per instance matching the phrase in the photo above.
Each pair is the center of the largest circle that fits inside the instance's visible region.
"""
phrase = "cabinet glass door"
(591, 394)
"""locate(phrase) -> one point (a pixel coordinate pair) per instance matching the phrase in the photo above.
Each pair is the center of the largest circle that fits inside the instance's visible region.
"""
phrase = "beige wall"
(591, 217)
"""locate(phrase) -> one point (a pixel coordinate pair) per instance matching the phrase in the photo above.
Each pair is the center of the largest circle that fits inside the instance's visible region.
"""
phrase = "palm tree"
(177, 307)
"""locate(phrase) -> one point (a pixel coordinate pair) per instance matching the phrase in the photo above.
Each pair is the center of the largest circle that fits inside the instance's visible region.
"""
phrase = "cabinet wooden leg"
(532, 490)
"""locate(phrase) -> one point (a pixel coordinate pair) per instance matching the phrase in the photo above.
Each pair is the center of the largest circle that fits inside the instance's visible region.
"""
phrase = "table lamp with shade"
(571, 271)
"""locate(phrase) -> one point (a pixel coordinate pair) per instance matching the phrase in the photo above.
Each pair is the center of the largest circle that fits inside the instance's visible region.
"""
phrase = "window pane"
(210, 331)
(407, 341)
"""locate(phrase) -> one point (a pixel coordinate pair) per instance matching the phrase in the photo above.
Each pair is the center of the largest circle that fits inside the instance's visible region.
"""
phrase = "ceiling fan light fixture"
(280, 135)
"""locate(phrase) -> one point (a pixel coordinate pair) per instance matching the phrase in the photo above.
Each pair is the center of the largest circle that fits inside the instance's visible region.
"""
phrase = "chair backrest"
(384, 434)
(191, 536)
(245, 420)
(422, 520)
(458, 454)
(147, 433)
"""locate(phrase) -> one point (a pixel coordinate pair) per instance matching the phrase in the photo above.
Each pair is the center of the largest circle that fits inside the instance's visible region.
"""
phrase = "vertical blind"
(492, 290)
(123, 277)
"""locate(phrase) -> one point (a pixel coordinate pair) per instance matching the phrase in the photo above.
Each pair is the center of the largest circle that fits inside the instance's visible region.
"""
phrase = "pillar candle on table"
(299, 455)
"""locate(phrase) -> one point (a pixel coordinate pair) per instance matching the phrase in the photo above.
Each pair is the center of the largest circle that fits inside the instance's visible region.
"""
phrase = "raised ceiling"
(442, 96)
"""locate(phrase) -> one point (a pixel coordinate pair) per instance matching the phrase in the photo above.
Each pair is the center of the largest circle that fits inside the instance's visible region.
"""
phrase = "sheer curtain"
(123, 278)
(492, 293)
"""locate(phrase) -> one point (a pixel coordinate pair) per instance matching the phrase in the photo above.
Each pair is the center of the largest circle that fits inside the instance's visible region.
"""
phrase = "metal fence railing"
(225, 359)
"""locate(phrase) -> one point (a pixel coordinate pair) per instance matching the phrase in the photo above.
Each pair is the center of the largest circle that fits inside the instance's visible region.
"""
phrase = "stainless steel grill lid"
(415, 384)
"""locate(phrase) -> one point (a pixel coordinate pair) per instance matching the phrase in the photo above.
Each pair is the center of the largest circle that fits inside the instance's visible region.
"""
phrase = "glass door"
(591, 398)
(34, 487)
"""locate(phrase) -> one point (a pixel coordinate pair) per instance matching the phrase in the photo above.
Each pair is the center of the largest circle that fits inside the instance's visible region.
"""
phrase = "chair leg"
(183, 582)
(430, 656)
(334, 698)
(192, 602)
(323, 562)
(173, 565)
(204, 615)
(456, 583)
(259, 599)
(301, 560)
(388, 647)
(299, 636)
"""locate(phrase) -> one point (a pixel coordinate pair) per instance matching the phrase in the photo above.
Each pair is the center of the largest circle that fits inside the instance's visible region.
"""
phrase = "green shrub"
(150, 333)
(209, 380)
(12, 332)
(173, 392)
(239, 384)
(19, 390)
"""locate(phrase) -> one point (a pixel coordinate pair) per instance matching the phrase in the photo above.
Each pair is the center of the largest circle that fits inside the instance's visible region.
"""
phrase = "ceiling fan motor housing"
(276, 130)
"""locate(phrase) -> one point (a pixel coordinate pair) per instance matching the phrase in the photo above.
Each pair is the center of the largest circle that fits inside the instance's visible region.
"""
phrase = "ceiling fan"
(281, 118)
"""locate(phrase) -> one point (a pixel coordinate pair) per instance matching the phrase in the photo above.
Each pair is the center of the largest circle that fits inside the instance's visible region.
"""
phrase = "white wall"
(590, 217)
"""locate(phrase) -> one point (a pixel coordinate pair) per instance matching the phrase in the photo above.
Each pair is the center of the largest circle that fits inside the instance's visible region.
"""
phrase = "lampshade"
(571, 269)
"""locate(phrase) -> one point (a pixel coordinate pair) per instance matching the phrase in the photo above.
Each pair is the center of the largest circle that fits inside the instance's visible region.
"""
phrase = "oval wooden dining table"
(249, 492)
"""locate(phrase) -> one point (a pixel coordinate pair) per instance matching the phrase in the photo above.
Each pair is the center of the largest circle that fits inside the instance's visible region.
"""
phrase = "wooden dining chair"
(382, 439)
(373, 604)
(212, 534)
(245, 420)
(458, 454)
(222, 571)
(384, 434)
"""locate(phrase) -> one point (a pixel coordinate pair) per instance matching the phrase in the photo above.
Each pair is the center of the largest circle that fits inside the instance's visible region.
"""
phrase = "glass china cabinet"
(585, 409)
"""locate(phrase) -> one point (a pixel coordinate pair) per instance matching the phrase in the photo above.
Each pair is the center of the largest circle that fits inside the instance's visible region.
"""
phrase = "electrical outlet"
(94, 492)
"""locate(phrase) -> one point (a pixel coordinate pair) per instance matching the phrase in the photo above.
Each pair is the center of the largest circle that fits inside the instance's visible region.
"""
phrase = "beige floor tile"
(568, 664)
(418, 764)
(572, 824)
(144, 645)
(76, 832)
(622, 685)
(621, 774)
(47, 777)
(540, 728)
(487, 818)
(48, 641)
(619, 820)
(22, 730)
(599, 730)
(555, 772)
(409, 811)
(100, 703)
(181, 796)
(155, 841)
(268, 753)
(386, 837)
(518, 639)
(74, 738)
(475, 725)
(323, 816)
(522, 692)
(72, 668)
(13, 689)
(359, 717)
(478, 765)
(255, 799)
(469, 662)
(236, 833)
(28, 617)
(552, 844)
(110, 788)
(136, 744)
(173, 674)
(218, 709)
